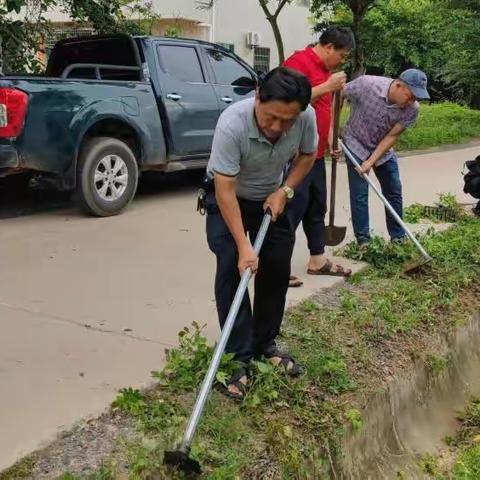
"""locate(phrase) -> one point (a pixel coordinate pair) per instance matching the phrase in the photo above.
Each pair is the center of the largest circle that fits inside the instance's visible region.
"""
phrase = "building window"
(261, 59)
(228, 46)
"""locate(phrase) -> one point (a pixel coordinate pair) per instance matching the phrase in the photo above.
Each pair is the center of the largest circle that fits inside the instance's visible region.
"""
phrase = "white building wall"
(187, 9)
(235, 18)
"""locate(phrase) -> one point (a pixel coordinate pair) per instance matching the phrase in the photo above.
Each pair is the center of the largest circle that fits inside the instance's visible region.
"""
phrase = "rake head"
(181, 461)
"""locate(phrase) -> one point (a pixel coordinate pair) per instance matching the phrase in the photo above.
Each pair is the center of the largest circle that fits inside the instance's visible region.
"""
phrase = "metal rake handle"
(222, 343)
(395, 215)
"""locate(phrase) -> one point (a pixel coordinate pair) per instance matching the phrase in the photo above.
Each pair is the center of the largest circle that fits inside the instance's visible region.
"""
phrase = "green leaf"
(222, 377)
(254, 400)
(264, 367)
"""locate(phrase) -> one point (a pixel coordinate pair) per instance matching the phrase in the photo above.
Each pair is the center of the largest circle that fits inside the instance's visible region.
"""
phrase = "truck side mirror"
(246, 82)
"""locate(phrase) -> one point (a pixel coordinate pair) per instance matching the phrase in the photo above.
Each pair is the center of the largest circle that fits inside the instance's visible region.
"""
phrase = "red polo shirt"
(312, 66)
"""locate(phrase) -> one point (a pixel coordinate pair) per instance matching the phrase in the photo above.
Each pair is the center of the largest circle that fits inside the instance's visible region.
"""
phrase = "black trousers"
(255, 329)
(309, 207)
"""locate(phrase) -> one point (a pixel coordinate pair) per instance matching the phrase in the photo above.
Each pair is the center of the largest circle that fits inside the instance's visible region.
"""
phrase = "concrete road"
(88, 305)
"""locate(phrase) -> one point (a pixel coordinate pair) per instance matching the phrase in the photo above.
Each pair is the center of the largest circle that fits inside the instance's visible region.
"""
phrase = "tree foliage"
(353, 13)
(439, 36)
(23, 26)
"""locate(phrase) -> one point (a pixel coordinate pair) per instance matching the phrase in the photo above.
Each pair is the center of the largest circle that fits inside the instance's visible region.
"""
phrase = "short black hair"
(285, 85)
(339, 37)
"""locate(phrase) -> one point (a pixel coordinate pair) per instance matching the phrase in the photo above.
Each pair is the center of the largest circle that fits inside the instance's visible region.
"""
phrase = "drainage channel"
(413, 417)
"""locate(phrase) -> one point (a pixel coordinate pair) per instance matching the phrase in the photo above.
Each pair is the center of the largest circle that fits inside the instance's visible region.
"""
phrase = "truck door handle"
(174, 96)
(226, 99)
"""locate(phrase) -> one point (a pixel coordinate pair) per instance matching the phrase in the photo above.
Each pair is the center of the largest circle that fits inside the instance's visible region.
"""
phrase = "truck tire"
(107, 176)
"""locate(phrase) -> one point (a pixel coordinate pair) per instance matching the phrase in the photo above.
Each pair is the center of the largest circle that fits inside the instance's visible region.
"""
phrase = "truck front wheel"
(107, 176)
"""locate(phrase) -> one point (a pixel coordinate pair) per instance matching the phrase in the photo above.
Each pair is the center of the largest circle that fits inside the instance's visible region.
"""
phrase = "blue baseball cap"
(416, 80)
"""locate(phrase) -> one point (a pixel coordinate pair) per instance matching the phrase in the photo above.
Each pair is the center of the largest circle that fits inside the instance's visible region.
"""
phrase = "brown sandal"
(294, 282)
(327, 270)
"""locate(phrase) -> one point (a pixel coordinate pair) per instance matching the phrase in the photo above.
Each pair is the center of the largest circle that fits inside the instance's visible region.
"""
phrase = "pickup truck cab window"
(181, 62)
(232, 80)
(226, 69)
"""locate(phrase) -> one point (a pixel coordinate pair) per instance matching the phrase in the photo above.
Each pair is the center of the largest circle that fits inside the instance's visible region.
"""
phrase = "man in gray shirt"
(253, 142)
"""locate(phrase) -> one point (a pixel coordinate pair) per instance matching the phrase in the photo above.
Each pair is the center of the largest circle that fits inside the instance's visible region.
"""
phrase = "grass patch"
(441, 124)
(446, 209)
(465, 447)
(438, 124)
(107, 472)
(21, 470)
(292, 429)
(436, 363)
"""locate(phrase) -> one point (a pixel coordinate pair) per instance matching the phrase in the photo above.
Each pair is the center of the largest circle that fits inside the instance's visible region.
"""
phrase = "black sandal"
(285, 360)
(235, 381)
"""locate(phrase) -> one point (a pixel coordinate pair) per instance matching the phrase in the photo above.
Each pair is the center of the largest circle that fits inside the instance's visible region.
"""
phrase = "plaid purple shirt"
(372, 116)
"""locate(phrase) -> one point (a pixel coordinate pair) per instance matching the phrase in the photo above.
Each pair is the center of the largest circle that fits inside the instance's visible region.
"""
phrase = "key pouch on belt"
(201, 205)
(206, 201)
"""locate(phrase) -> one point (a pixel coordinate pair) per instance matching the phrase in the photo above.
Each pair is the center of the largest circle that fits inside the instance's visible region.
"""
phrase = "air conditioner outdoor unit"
(253, 39)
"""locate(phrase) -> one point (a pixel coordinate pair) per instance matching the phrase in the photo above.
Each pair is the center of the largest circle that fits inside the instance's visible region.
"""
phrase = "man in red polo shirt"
(309, 205)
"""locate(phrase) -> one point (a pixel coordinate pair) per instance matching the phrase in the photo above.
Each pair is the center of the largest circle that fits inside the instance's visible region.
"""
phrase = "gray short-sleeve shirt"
(240, 150)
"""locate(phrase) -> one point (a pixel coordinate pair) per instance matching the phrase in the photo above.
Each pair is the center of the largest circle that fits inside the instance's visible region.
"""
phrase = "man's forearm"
(382, 148)
(301, 166)
(319, 91)
(230, 209)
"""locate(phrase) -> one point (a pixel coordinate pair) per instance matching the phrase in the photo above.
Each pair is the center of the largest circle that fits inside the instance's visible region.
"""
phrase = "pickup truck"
(112, 106)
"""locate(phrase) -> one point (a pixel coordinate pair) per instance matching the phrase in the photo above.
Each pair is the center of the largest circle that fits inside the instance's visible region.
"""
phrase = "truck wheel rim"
(111, 178)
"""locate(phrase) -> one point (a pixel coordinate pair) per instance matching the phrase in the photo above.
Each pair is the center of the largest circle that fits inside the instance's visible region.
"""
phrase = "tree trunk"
(359, 54)
(273, 20)
(1, 56)
(278, 39)
(475, 101)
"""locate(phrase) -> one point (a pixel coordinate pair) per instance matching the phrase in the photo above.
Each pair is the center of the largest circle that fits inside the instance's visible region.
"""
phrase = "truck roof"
(179, 40)
(182, 40)
(110, 50)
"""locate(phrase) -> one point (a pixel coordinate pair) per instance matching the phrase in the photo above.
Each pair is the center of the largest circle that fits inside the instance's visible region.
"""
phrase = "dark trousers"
(254, 331)
(309, 206)
(389, 177)
(476, 210)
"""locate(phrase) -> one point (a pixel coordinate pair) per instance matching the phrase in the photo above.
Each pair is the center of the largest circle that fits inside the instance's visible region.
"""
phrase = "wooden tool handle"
(337, 97)
(336, 126)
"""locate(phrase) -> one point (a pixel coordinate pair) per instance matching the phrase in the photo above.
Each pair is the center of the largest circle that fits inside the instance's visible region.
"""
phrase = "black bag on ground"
(472, 178)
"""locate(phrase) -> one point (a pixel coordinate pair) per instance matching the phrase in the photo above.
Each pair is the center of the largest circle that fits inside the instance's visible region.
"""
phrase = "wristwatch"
(289, 192)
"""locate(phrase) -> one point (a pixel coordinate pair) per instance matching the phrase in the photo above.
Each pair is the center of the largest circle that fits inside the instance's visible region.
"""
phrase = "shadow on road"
(18, 200)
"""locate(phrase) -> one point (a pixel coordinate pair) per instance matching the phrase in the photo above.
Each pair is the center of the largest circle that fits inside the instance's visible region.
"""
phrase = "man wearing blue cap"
(381, 109)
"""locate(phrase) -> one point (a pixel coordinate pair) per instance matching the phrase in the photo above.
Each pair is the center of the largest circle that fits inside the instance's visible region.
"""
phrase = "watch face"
(289, 192)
